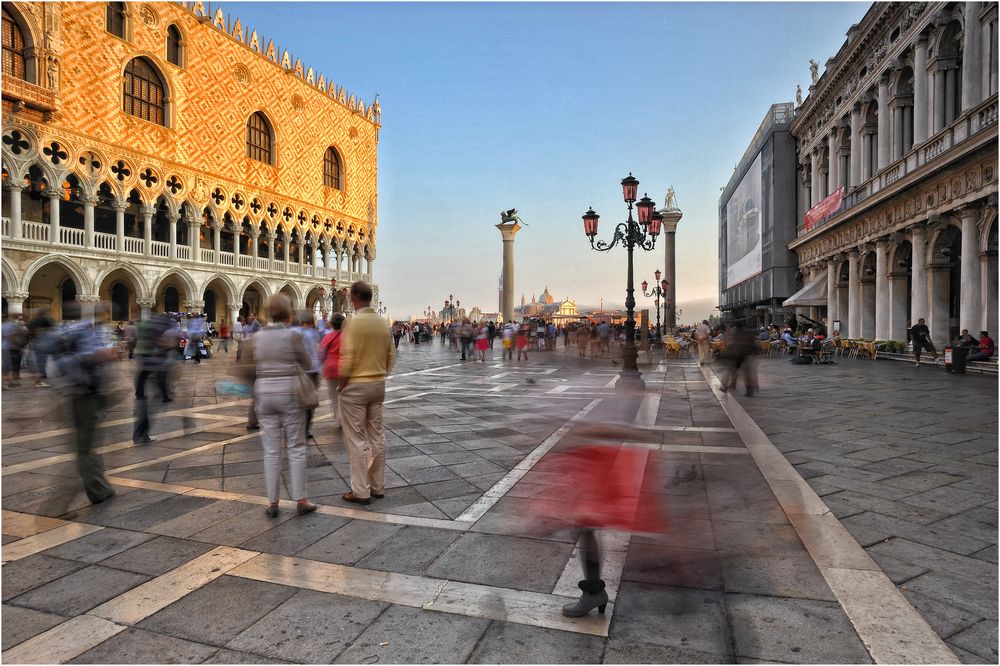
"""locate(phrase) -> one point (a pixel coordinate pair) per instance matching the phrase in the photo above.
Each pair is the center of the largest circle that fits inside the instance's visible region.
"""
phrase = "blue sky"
(545, 107)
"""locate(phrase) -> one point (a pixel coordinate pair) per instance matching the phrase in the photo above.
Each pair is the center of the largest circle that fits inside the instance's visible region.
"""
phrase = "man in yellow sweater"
(366, 357)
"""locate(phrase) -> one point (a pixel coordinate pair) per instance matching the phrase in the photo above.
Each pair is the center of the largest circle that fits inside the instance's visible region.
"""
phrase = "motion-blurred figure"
(86, 350)
(329, 355)
(41, 332)
(741, 346)
(154, 341)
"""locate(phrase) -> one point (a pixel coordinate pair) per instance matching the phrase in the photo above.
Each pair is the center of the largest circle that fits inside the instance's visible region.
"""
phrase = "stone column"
(254, 251)
(146, 306)
(88, 220)
(834, 161)
(14, 195)
(234, 312)
(920, 101)
(303, 249)
(857, 144)
(853, 295)
(937, 301)
(831, 294)
(950, 90)
(507, 232)
(971, 60)
(883, 329)
(53, 198)
(236, 245)
(15, 302)
(286, 253)
(271, 237)
(172, 231)
(939, 102)
(216, 240)
(120, 225)
(194, 233)
(883, 122)
(988, 303)
(918, 260)
(897, 131)
(814, 178)
(897, 304)
(87, 305)
(970, 308)
(340, 260)
(147, 230)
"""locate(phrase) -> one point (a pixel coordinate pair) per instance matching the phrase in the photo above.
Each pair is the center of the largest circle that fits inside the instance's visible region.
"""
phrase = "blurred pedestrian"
(41, 335)
(15, 339)
(522, 341)
(131, 335)
(702, 333)
(85, 351)
(224, 334)
(306, 326)
(920, 336)
(366, 358)
(482, 343)
(582, 339)
(508, 334)
(279, 353)
(154, 340)
(741, 347)
(329, 354)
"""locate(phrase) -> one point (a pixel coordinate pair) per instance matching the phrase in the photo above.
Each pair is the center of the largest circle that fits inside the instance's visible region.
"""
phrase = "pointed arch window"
(174, 47)
(115, 19)
(144, 94)
(333, 169)
(13, 48)
(259, 138)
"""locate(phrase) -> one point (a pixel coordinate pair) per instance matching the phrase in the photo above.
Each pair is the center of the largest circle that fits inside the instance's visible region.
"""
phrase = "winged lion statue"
(511, 217)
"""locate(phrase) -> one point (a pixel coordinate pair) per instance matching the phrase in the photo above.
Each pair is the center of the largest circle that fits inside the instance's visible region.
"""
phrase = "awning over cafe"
(813, 294)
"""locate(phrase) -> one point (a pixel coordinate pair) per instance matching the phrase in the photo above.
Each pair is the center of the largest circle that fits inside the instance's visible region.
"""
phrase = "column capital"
(16, 295)
(854, 252)
(88, 299)
(193, 305)
(147, 209)
(969, 210)
(145, 302)
(14, 187)
(119, 206)
(88, 200)
(173, 216)
(53, 193)
(918, 229)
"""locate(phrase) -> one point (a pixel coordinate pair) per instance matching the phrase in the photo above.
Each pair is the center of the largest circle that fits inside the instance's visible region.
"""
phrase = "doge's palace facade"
(166, 159)
(904, 123)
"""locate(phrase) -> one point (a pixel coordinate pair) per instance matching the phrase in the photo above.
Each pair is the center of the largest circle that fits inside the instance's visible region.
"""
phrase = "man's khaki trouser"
(361, 417)
(704, 351)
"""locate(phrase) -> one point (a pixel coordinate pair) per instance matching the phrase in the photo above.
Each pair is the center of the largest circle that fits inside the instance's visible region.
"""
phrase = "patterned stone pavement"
(907, 458)
(183, 566)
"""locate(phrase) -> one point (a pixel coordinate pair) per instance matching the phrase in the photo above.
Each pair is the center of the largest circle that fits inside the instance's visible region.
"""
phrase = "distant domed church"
(546, 306)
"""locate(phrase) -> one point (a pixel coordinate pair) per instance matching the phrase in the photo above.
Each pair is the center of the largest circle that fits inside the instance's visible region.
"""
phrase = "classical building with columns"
(168, 159)
(902, 128)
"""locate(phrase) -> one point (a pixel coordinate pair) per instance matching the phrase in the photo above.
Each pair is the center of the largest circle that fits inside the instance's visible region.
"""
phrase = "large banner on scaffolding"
(744, 230)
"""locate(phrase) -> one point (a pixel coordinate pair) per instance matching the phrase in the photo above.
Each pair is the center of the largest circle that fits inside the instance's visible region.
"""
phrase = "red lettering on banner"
(824, 208)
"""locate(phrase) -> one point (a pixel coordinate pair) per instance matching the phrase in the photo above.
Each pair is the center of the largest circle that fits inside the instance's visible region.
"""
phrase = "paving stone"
(105, 512)
(410, 550)
(979, 597)
(886, 526)
(20, 624)
(427, 475)
(157, 556)
(98, 545)
(967, 568)
(430, 638)
(677, 567)
(200, 519)
(135, 646)
(921, 481)
(987, 554)
(695, 618)
(289, 537)
(980, 639)
(219, 611)
(944, 618)
(79, 591)
(773, 575)
(626, 652)
(849, 502)
(510, 643)
(235, 657)
(897, 570)
(349, 543)
(33, 571)
(796, 630)
(446, 489)
(503, 561)
(310, 628)
(948, 499)
(158, 512)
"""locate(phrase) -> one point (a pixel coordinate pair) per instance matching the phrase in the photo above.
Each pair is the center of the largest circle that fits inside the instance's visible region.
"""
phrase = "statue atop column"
(814, 70)
(671, 202)
(798, 95)
(510, 224)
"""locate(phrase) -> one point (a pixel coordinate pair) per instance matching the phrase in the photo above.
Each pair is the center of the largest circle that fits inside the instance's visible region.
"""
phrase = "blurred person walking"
(329, 354)
(15, 339)
(482, 343)
(366, 358)
(522, 341)
(701, 336)
(250, 328)
(306, 325)
(508, 341)
(155, 339)
(582, 339)
(920, 336)
(42, 333)
(131, 335)
(741, 346)
(278, 354)
(86, 349)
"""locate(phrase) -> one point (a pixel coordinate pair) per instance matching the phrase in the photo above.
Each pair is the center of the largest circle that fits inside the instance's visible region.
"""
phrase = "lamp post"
(451, 306)
(630, 234)
(660, 293)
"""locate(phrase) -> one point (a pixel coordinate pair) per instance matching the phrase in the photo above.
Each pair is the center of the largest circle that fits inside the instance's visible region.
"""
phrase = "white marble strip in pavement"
(473, 600)
(63, 642)
(611, 382)
(646, 416)
(689, 448)
(420, 372)
(345, 512)
(890, 628)
(189, 411)
(614, 551)
(559, 389)
(140, 602)
(22, 525)
(479, 508)
(47, 539)
(670, 428)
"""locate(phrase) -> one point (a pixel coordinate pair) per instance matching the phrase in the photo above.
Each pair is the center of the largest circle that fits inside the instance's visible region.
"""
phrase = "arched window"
(144, 94)
(259, 138)
(115, 19)
(174, 45)
(13, 48)
(332, 169)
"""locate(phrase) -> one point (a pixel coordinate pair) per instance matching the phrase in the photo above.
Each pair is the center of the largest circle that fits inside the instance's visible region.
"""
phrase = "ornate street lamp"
(660, 293)
(631, 233)
(451, 306)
